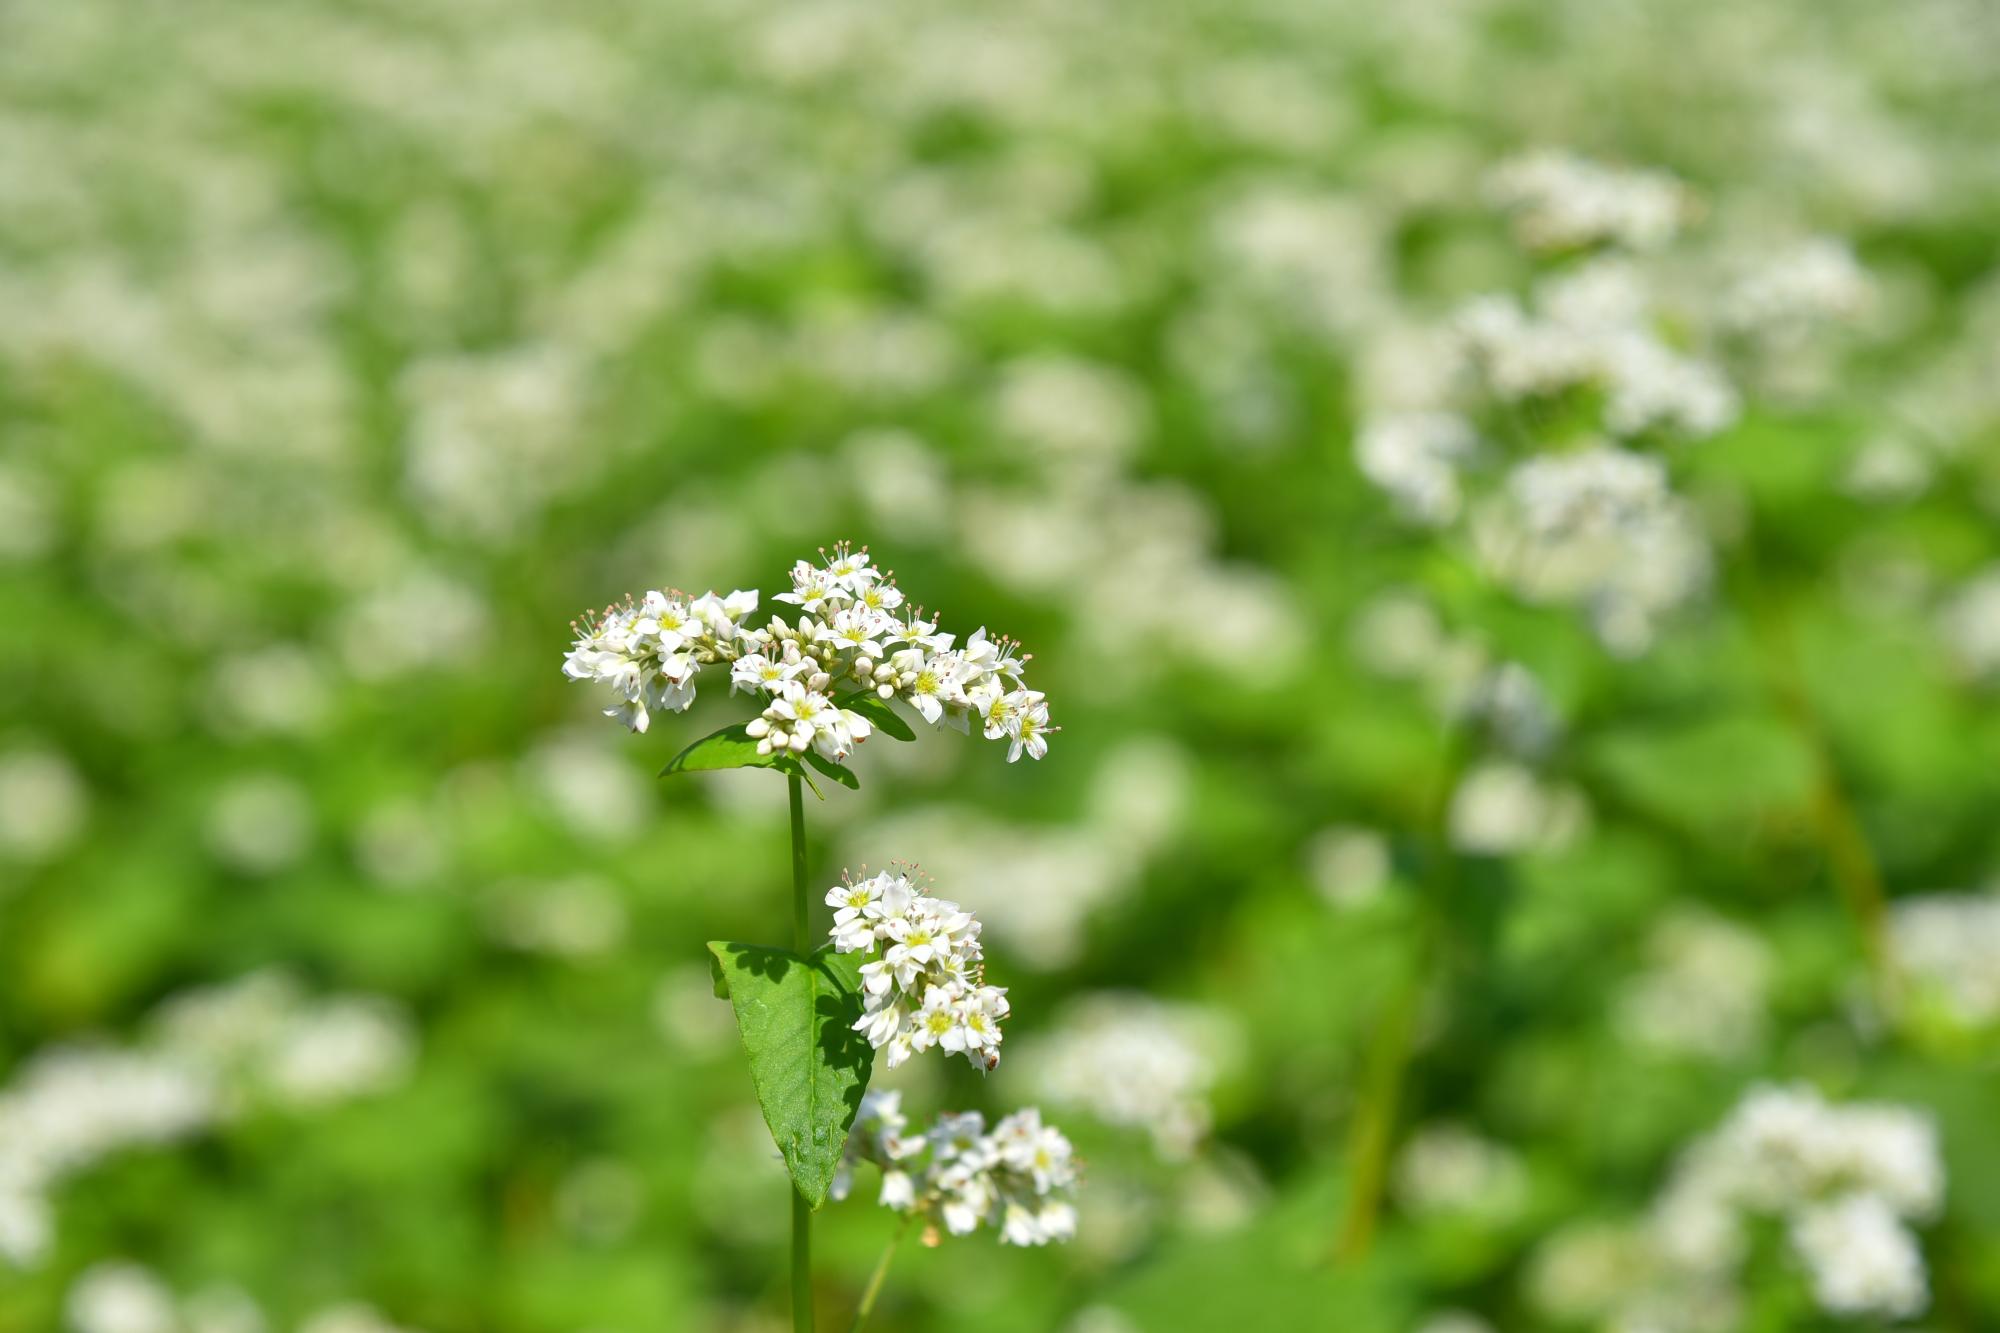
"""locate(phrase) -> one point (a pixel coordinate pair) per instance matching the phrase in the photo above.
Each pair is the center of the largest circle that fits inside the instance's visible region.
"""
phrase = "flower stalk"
(878, 1277)
(802, 1304)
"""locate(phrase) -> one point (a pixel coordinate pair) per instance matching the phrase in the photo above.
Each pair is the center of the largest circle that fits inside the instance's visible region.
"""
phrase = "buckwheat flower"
(925, 985)
(1847, 1181)
(931, 683)
(758, 672)
(1018, 1178)
(853, 929)
(1947, 947)
(1560, 200)
(937, 1020)
(1416, 457)
(853, 633)
(916, 632)
(991, 659)
(1029, 732)
(811, 590)
(1863, 1261)
(666, 621)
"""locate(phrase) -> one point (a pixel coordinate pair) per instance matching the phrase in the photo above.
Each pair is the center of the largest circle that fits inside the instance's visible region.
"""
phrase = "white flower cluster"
(853, 632)
(1601, 529)
(1596, 362)
(1591, 327)
(1019, 1177)
(1448, 1168)
(1704, 993)
(119, 1296)
(210, 1052)
(1561, 201)
(1132, 1061)
(1844, 1179)
(1844, 1183)
(70, 1107)
(1947, 950)
(1815, 281)
(926, 985)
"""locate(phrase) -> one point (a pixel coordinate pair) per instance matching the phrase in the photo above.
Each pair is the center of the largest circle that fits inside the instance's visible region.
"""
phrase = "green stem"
(801, 900)
(1850, 860)
(877, 1278)
(1394, 1048)
(802, 1288)
(802, 1304)
(1375, 1118)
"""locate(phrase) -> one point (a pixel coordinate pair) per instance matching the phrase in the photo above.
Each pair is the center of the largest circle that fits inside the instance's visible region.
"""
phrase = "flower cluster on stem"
(852, 635)
(1019, 1177)
(925, 985)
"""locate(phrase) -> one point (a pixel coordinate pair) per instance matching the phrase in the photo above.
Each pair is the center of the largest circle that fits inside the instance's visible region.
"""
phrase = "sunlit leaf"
(808, 1065)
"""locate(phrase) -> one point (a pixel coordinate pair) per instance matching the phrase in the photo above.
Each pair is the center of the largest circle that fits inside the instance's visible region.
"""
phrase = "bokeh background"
(1436, 847)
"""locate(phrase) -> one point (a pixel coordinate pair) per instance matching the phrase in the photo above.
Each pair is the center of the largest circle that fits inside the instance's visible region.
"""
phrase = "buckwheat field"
(1320, 666)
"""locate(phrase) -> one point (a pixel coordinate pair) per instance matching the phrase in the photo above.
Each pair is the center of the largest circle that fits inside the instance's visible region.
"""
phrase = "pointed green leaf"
(877, 710)
(728, 748)
(838, 772)
(809, 1066)
(731, 747)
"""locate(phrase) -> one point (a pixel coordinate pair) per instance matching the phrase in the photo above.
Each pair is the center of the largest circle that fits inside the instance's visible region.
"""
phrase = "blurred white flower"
(282, 690)
(1947, 946)
(27, 514)
(398, 844)
(596, 791)
(1970, 624)
(260, 823)
(1704, 992)
(342, 1048)
(493, 438)
(120, 1297)
(350, 1317)
(421, 621)
(1447, 1168)
(1562, 201)
(1070, 410)
(43, 804)
(1415, 457)
(1786, 294)
(1502, 808)
(578, 916)
(1862, 1260)
(1132, 1062)
(1349, 865)
(1601, 530)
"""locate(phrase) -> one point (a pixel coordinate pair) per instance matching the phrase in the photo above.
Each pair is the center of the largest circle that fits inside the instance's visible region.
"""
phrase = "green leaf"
(877, 710)
(729, 748)
(838, 772)
(732, 747)
(809, 1066)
